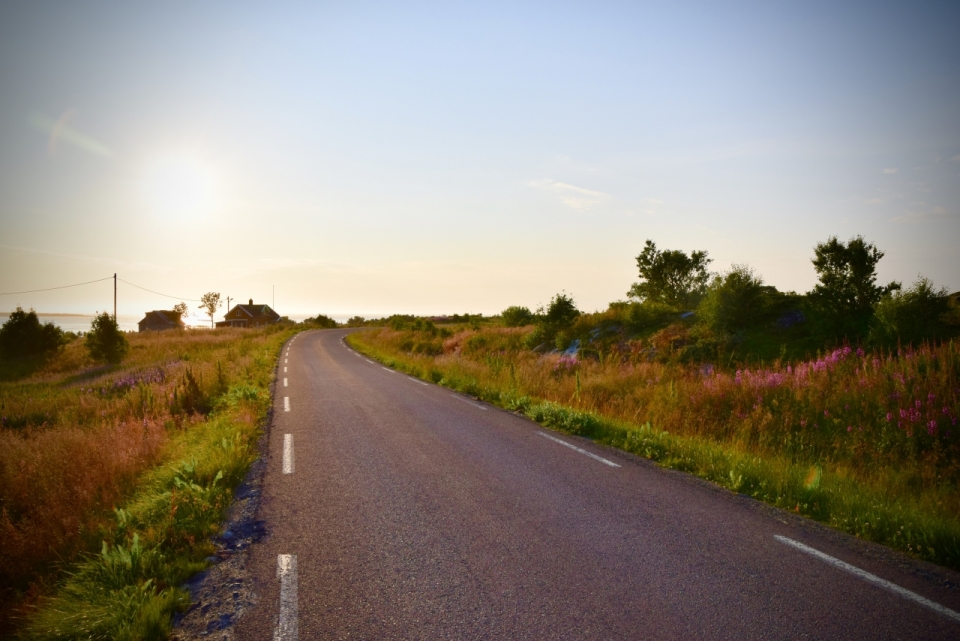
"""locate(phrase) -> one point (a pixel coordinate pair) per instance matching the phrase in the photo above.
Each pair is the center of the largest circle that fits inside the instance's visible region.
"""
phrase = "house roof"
(164, 316)
(254, 311)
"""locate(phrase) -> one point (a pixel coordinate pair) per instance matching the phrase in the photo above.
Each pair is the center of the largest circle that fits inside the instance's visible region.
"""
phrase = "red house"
(249, 315)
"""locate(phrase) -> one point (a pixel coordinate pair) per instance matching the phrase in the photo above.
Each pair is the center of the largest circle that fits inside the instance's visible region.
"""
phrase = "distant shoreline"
(54, 314)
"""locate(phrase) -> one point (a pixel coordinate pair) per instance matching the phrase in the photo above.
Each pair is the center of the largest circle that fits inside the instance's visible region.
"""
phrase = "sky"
(374, 158)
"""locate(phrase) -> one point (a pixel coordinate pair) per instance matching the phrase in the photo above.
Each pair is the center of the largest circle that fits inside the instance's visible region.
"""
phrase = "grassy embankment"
(113, 478)
(867, 443)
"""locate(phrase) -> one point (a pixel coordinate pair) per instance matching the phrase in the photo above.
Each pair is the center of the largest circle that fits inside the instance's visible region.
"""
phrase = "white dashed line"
(460, 398)
(415, 380)
(388, 369)
(866, 576)
(286, 629)
(284, 381)
(286, 403)
(577, 449)
(288, 453)
(284, 370)
(368, 360)
(285, 360)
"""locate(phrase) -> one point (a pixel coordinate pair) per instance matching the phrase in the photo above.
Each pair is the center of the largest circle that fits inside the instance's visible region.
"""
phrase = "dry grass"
(880, 425)
(77, 437)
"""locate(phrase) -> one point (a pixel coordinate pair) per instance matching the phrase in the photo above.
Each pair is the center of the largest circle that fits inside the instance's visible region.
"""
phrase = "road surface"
(400, 510)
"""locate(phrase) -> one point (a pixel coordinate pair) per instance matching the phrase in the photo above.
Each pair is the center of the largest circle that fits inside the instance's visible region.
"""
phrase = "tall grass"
(138, 459)
(866, 442)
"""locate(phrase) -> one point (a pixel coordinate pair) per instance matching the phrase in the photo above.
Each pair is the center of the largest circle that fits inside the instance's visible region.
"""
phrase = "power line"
(33, 291)
(193, 300)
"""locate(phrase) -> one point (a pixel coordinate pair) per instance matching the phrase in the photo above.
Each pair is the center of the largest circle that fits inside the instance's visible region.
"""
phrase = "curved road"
(400, 510)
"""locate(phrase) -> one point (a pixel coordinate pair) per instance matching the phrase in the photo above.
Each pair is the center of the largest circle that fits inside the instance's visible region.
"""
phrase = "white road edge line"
(369, 361)
(288, 453)
(284, 381)
(415, 380)
(286, 403)
(460, 398)
(577, 449)
(866, 576)
(388, 369)
(286, 629)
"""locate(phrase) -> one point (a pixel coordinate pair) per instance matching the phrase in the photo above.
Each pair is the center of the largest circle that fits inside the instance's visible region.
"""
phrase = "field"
(112, 478)
(866, 442)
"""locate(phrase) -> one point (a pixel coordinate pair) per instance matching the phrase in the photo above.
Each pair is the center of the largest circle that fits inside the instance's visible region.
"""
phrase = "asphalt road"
(400, 510)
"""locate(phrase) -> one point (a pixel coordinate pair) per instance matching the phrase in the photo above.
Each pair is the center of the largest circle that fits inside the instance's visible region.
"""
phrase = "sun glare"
(181, 187)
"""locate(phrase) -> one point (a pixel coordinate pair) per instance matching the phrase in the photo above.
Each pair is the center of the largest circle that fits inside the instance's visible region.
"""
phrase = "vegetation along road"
(399, 509)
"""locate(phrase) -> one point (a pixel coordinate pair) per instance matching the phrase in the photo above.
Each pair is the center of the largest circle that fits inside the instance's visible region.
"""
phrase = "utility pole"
(114, 297)
(228, 304)
(274, 302)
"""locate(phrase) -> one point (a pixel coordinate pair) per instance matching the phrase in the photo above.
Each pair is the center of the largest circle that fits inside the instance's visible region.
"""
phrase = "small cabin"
(249, 315)
(161, 319)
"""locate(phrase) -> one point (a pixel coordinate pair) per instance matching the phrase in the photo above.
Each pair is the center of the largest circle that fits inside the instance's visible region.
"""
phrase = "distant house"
(159, 320)
(249, 315)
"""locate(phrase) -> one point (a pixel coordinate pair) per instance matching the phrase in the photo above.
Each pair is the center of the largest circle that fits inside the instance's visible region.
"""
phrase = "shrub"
(516, 316)
(734, 301)
(910, 316)
(324, 322)
(23, 335)
(649, 314)
(105, 341)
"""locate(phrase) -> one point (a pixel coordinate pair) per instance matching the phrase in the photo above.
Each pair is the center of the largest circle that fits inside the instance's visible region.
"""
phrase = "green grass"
(123, 581)
(891, 487)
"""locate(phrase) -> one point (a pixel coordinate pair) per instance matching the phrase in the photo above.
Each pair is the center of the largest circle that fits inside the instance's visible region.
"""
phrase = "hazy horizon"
(368, 158)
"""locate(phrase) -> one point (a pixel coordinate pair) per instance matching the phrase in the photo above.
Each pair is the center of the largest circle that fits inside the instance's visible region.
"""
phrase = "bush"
(105, 341)
(516, 316)
(324, 322)
(910, 316)
(734, 301)
(649, 314)
(23, 335)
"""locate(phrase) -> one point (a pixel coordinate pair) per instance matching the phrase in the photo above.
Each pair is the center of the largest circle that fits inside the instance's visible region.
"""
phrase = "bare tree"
(209, 303)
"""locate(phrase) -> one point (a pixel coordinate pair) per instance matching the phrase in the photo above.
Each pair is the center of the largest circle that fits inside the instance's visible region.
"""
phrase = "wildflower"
(826, 413)
(849, 428)
(889, 416)
(931, 427)
(917, 404)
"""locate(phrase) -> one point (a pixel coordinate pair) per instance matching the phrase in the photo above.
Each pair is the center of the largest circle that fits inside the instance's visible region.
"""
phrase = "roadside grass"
(864, 442)
(137, 461)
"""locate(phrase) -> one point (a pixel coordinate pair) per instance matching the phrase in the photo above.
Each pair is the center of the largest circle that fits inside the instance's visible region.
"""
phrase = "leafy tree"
(180, 308)
(910, 316)
(356, 321)
(515, 316)
(734, 300)
(24, 335)
(848, 290)
(105, 341)
(209, 303)
(670, 276)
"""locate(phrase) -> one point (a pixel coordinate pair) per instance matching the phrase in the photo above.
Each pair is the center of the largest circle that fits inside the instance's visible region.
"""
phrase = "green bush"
(321, 321)
(105, 341)
(23, 335)
(649, 314)
(910, 316)
(516, 316)
(734, 301)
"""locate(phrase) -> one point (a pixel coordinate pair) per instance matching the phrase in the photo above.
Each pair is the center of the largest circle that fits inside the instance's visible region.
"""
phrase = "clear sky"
(368, 158)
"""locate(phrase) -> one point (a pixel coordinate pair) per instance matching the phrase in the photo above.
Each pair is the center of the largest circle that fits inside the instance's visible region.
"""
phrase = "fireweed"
(867, 442)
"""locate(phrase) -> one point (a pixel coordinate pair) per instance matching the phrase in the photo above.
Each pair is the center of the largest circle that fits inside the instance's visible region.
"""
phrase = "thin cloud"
(570, 195)
(286, 263)
(890, 170)
(97, 260)
(914, 216)
(955, 158)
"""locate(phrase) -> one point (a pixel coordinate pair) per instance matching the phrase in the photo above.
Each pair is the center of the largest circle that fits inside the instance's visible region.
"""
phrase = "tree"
(180, 308)
(209, 303)
(910, 316)
(515, 316)
(24, 335)
(322, 321)
(848, 290)
(670, 276)
(105, 341)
